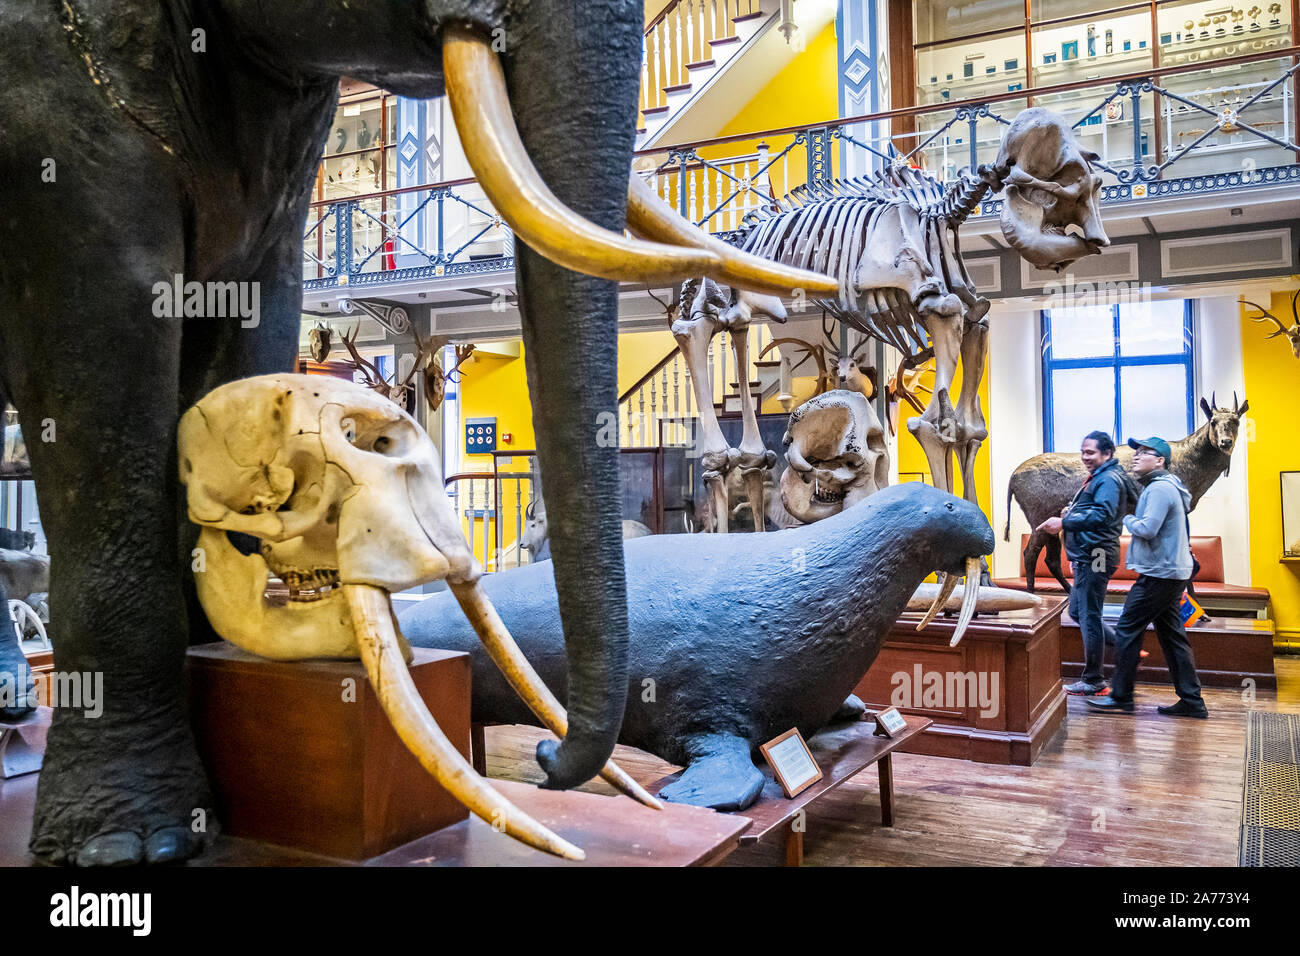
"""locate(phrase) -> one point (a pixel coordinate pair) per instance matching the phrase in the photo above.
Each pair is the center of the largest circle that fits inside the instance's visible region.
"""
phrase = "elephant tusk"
(651, 218)
(945, 591)
(377, 637)
(969, 599)
(505, 653)
(476, 90)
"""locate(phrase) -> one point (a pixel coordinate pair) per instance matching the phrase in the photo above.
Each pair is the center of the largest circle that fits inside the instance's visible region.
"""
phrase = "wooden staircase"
(687, 47)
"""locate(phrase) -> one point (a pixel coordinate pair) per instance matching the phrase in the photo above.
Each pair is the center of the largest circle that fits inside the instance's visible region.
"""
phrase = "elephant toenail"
(112, 849)
(169, 845)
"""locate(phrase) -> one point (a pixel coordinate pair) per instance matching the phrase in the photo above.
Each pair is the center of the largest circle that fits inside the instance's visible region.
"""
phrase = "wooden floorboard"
(1140, 790)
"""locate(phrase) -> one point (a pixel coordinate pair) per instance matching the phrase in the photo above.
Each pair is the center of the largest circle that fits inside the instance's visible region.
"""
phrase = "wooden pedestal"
(1021, 648)
(301, 754)
(1228, 651)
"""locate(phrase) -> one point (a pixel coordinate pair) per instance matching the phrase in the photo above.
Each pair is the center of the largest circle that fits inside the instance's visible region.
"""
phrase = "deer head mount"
(426, 361)
(1292, 333)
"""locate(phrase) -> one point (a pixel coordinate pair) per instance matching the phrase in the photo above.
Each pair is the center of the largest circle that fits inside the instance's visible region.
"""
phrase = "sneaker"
(1109, 705)
(1084, 689)
(1183, 709)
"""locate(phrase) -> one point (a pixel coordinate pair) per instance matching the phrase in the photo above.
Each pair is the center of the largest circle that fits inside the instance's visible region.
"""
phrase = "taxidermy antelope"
(1045, 484)
(1292, 333)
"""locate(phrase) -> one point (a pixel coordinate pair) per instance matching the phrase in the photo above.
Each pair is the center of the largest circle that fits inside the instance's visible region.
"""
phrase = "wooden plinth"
(1022, 648)
(1228, 651)
(301, 754)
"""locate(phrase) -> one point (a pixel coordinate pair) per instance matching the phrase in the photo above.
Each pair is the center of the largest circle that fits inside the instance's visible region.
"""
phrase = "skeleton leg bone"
(754, 459)
(693, 335)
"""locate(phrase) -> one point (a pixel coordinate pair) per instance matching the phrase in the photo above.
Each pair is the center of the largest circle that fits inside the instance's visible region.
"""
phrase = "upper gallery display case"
(966, 51)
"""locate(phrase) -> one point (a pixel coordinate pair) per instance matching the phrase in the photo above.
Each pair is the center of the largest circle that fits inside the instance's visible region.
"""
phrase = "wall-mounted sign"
(480, 436)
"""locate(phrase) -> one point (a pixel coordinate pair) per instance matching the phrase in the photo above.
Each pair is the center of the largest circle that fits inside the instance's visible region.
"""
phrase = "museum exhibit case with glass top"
(969, 51)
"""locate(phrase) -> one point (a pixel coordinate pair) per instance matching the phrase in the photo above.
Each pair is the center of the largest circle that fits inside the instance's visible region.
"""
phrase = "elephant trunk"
(573, 81)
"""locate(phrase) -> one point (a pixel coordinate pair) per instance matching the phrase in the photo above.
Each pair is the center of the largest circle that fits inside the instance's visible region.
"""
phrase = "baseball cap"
(1158, 445)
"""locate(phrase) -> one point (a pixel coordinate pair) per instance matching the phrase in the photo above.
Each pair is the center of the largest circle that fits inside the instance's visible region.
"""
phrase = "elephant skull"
(337, 492)
(1050, 215)
(837, 457)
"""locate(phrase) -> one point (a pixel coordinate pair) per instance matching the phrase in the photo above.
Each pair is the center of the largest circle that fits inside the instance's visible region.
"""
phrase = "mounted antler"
(1292, 333)
(374, 379)
(818, 353)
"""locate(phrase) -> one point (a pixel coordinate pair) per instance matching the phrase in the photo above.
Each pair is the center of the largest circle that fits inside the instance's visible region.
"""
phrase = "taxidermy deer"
(426, 360)
(1045, 484)
(1292, 333)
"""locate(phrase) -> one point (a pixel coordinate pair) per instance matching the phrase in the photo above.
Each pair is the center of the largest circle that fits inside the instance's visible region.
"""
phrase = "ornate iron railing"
(1174, 131)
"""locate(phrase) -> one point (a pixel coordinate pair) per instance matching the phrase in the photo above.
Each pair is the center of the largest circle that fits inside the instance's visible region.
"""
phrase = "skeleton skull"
(1050, 215)
(835, 449)
(342, 493)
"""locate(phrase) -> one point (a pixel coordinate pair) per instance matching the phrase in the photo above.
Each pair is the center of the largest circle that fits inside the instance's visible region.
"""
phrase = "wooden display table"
(612, 831)
(1019, 652)
(842, 751)
(1228, 650)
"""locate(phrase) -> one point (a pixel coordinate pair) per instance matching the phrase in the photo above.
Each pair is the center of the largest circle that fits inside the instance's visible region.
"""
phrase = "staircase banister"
(658, 367)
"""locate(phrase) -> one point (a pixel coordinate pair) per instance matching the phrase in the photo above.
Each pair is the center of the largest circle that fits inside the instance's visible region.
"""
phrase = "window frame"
(1116, 362)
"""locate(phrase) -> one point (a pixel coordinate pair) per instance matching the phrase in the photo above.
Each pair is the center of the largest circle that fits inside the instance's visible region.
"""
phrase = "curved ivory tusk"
(476, 89)
(372, 619)
(505, 653)
(945, 591)
(651, 218)
(970, 597)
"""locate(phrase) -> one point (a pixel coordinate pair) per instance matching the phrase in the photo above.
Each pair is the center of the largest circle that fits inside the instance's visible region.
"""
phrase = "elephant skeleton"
(891, 241)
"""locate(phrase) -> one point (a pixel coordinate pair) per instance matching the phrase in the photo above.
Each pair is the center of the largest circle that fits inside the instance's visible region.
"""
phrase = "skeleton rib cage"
(825, 226)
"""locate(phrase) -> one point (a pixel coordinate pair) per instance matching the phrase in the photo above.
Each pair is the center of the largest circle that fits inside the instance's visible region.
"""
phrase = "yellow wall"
(1271, 373)
(493, 386)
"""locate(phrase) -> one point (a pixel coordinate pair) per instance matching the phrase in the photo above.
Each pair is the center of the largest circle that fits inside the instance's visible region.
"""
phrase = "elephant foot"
(119, 792)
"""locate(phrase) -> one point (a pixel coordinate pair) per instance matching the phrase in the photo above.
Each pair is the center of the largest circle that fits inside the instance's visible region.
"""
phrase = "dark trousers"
(1154, 601)
(1087, 599)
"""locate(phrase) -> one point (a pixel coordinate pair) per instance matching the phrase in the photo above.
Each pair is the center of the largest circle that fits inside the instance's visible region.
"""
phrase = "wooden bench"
(841, 751)
(1216, 596)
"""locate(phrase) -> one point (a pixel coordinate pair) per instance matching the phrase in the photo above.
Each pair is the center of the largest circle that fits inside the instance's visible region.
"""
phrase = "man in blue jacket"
(1092, 529)
(1161, 554)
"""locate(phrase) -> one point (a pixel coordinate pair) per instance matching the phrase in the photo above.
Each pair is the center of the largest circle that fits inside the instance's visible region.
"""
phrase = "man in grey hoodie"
(1161, 554)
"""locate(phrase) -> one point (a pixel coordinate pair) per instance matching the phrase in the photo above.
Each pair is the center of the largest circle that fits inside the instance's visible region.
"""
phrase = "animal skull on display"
(343, 492)
(1050, 215)
(837, 457)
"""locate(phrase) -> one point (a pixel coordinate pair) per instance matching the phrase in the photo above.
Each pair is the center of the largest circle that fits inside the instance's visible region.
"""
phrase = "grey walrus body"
(738, 638)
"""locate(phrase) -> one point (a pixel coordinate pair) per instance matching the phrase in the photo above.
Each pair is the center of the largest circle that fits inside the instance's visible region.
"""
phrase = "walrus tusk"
(651, 218)
(945, 592)
(381, 654)
(505, 653)
(476, 90)
(969, 599)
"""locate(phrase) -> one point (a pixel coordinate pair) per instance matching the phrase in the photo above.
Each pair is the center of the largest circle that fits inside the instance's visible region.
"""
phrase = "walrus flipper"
(852, 709)
(722, 776)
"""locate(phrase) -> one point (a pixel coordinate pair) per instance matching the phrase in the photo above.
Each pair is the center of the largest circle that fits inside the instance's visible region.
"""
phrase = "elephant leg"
(1053, 560)
(121, 782)
(755, 459)
(716, 458)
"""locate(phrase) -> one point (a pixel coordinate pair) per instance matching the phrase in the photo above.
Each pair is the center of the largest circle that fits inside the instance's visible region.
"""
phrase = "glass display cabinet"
(966, 50)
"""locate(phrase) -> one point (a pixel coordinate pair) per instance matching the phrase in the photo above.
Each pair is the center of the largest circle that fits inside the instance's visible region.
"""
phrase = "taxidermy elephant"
(151, 142)
(737, 638)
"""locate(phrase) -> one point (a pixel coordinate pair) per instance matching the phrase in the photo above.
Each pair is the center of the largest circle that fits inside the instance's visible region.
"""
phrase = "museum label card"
(791, 762)
(889, 722)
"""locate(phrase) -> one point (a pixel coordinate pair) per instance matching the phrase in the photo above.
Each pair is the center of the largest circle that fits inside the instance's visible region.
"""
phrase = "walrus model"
(737, 639)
